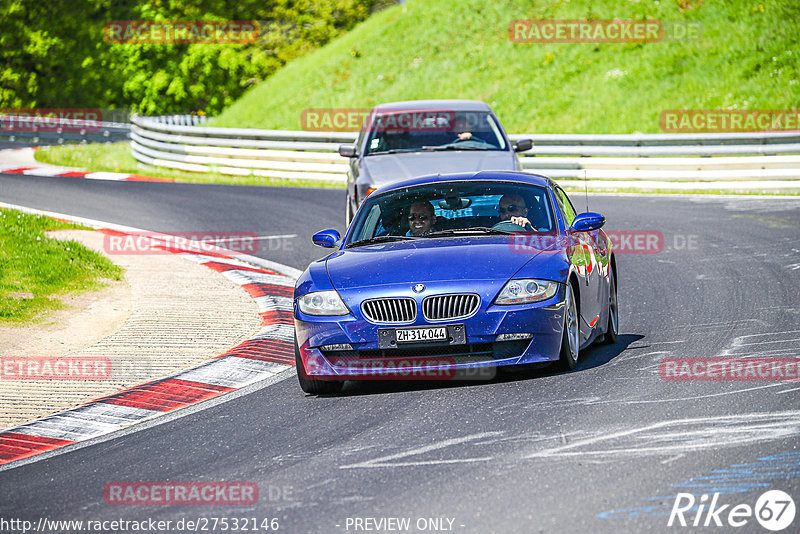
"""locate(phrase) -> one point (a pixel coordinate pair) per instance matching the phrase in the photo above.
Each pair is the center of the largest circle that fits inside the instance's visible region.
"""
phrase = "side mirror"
(348, 151)
(326, 238)
(586, 222)
(523, 145)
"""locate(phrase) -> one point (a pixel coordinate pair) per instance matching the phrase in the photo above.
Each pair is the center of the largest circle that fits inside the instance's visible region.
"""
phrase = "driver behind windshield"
(421, 218)
(462, 128)
(512, 208)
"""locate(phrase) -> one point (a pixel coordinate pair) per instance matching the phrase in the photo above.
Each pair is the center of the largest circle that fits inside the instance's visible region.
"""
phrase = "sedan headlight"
(322, 303)
(526, 290)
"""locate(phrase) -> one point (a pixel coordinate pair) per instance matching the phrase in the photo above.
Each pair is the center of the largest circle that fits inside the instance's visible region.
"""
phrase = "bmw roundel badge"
(419, 288)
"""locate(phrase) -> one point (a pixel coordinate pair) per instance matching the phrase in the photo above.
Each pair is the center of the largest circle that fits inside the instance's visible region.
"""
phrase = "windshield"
(432, 131)
(446, 209)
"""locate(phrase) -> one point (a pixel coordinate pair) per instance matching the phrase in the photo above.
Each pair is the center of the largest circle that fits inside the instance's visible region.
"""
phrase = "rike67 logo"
(774, 510)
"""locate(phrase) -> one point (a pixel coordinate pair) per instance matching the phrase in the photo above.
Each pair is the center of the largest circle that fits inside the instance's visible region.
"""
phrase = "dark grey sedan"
(402, 140)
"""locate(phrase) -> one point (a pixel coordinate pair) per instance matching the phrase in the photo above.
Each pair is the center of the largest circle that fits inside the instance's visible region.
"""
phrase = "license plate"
(421, 335)
(452, 334)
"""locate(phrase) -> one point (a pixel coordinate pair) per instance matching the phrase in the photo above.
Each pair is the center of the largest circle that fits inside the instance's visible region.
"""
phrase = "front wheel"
(568, 357)
(309, 385)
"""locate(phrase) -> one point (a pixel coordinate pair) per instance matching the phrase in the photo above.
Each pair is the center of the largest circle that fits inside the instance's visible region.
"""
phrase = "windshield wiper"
(467, 231)
(393, 151)
(378, 239)
(452, 147)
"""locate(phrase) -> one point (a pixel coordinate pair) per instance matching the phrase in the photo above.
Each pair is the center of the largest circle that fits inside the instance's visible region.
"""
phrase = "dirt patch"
(168, 314)
(87, 318)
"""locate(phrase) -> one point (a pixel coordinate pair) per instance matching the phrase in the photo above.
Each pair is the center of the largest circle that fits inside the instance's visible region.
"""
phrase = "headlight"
(526, 290)
(322, 303)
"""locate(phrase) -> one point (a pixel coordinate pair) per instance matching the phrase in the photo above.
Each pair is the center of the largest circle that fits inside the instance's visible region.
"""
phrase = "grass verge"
(35, 269)
(116, 157)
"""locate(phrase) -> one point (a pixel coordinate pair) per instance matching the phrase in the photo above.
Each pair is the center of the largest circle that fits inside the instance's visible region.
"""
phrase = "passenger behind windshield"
(421, 218)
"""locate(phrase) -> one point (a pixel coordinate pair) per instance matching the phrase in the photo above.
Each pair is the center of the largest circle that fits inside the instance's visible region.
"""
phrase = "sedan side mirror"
(326, 238)
(523, 145)
(348, 151)
(586, 222)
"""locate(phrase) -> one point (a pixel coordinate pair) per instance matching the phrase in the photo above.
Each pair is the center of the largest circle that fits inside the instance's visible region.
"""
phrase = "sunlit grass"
(743, 56)
(35, 269)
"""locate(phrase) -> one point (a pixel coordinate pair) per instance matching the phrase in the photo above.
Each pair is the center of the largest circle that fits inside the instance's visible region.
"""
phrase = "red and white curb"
(49, 170)
(267, 353)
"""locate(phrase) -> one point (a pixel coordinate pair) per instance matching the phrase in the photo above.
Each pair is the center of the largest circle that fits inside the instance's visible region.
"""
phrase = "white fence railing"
(181, 142)
(52, 130)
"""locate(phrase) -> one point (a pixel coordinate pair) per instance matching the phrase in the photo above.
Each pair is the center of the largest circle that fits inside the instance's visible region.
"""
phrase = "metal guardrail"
(180, 142)
(638, 139)
(59, 130)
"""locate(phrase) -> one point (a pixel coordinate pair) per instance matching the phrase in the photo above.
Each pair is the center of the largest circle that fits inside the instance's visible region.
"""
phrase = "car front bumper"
(434, 360)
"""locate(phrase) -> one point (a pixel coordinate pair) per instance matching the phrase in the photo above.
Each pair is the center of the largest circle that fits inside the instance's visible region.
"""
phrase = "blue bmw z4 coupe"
(441, 276)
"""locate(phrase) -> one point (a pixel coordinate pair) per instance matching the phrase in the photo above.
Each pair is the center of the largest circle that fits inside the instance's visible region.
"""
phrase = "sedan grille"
(390, 310)
(440, 307)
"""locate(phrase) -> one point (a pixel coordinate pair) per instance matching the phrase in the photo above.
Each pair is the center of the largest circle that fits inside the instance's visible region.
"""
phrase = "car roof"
(449, 105)
(508, 176)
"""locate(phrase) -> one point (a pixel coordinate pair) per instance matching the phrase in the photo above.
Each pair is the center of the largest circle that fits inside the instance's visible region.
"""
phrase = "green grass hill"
(744, 55)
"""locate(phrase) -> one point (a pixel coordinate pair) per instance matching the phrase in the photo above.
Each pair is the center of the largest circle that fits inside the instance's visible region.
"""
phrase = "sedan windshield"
(453, 209)
(416, 131)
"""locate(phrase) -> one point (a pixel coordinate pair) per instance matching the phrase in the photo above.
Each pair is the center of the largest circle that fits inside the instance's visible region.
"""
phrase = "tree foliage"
(53, 54)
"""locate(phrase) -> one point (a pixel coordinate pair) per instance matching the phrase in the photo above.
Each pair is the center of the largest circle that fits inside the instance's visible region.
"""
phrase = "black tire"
(612, 328)
(568, 357)
(348, 212)
(309, 385)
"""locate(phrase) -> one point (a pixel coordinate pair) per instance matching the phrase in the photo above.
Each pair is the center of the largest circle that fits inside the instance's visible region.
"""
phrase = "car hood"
(387, 168)
(427, 260)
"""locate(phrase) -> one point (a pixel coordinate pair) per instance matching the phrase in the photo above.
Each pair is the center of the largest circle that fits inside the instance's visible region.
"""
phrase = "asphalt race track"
(603, 449)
